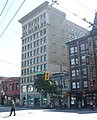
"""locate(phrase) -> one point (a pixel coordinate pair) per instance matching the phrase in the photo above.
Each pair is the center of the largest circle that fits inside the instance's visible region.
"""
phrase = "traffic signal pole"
(61, 79)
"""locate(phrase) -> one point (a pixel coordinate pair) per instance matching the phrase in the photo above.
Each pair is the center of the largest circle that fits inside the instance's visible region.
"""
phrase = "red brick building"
(9, 89)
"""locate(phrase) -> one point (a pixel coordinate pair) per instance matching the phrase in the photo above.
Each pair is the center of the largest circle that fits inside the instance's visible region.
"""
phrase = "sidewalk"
(79, 111)
(86, 110)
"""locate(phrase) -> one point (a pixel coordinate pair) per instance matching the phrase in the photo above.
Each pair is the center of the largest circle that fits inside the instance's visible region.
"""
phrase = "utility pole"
(61, 79)
(53, 2)
(61, 85)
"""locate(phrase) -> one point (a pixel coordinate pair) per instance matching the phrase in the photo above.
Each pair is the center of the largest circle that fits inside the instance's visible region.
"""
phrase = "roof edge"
(33, 12)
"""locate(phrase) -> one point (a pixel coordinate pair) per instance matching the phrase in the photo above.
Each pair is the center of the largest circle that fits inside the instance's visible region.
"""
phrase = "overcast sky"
(10, 37)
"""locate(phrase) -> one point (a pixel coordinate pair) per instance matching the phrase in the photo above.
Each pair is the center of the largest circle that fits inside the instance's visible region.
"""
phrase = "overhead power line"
(11, 19)
(53, 2)
(85, 6)
(4, 7)
(84, 19)
(7, 12)
(9, 63)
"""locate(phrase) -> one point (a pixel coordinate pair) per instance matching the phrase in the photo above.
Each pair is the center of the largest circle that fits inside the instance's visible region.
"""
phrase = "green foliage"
(46, 86)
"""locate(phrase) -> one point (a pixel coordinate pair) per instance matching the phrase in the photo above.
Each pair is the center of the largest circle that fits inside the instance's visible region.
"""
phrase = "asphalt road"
(47, 114)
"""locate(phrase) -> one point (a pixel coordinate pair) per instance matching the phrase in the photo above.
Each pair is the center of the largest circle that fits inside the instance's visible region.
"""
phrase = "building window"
(76, 60)
(35, 69)
(45, 31)
(72, 61)
(35, 60)
(38, 50)
(32, 45)
(31, 61)
(35, 43)
(38, 42)
(30, 78)
(38, 34)
(35, 52)
(38, 59)
(77, 72)
(42, 58)
(85, 84)
(41, 41)
(73, 85)
(84, 46)
(7, 87)
(4, 87)
(42, 49)
(45, 39)
(23, 80)
(78, 85)
(17, 86)
(28, 62)
(13, 86)
(84, 71)
(41, 32)
(45, 48)
(95, 43)
(73, 73)
(42, 67)
(38, 68)
(30, 88)
(27, 70)
(30, 71)
(45, 57)
(73, 50)
(83, 59)
(66, 83)
(23, 88)
(45, 67)
(10, 87)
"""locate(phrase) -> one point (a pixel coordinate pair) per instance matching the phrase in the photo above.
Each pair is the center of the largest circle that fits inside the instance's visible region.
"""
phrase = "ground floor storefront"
(6, 99)
(33, 100)
(80, 100)
(41, 100)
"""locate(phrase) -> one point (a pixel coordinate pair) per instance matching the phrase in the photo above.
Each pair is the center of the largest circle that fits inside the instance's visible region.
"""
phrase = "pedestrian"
(94, 105)
(91, 105)
(12, 108)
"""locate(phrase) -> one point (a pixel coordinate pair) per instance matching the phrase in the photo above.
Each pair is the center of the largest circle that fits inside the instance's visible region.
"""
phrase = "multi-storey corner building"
(45, 31)
(83, 68)
(9, 89)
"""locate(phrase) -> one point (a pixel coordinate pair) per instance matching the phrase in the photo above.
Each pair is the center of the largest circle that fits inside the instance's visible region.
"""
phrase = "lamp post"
(61, 78)
(61, 85)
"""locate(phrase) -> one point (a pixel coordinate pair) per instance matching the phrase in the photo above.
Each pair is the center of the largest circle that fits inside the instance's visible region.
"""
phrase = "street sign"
(40, 73)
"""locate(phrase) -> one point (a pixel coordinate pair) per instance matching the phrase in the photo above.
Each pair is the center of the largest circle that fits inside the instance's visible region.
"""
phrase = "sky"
(11, 29)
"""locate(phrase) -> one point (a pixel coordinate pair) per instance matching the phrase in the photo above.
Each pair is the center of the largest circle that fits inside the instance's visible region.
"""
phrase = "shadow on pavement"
(7, 109)
(81, 111)
(6, 117)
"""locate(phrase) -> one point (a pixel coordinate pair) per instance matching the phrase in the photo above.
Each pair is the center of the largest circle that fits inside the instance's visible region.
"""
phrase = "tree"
(46, 86)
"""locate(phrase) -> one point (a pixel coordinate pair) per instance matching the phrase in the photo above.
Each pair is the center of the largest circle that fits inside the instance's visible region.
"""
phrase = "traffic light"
(46, 75)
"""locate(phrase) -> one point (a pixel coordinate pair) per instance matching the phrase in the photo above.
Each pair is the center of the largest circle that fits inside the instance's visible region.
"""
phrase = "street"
(49, 114)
